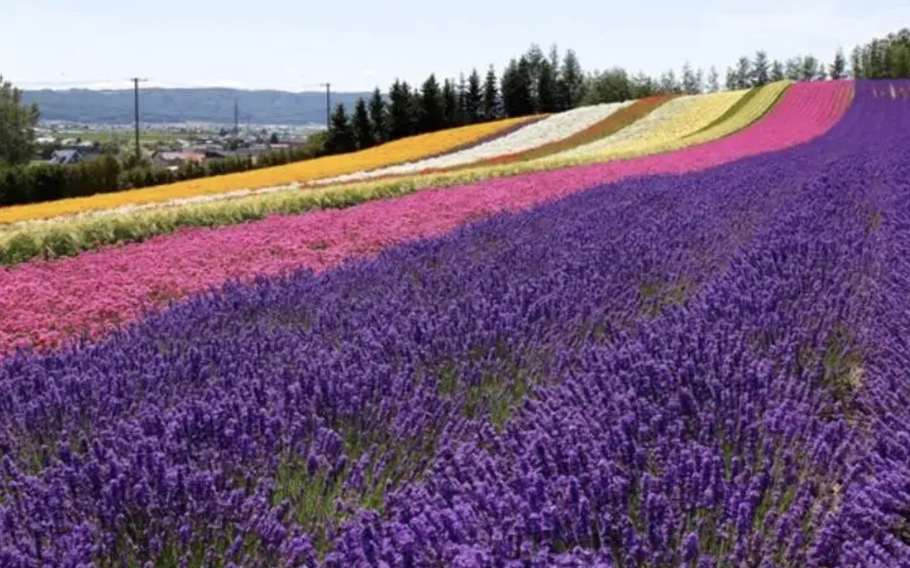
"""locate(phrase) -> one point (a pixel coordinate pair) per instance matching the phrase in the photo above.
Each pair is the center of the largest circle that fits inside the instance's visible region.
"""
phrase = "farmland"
(665, 332)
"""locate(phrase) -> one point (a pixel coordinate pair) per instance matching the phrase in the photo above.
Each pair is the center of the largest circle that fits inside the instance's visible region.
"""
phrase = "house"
(66, 158)
(173, 159)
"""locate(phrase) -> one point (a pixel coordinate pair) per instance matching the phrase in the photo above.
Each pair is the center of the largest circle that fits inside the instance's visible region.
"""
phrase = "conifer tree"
(690, 82)
(449, 105)
(743, 73)
(401, 122)
(761, 73)
(474, 98)
(839, 66)
(547, 98)
(379, 117)
(362, 127)
(777, 71)
(492, 103)
(340, 137)
(730, 79)
(432, 113)
(856, 63)
(713, 80)
(571, 82)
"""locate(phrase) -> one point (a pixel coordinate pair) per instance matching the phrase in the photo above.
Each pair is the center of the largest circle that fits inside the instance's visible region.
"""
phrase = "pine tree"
(856, 63)
(668, 83)
(361, 126)
(839, 66)
(571, 82)
(689, 80)
(547, 97)
(491, 101)
(432, 113)
(760, 69)
(340, 137)
(731, 79)
(777, 71)
(379, 117)
(642, 86)
(822, 73)
(450, 104)
(462, 99)
(516, 88)
(473, 106)
(810, 69)
(743, 73)
(713, 80)
(400, 117)
(794, 68)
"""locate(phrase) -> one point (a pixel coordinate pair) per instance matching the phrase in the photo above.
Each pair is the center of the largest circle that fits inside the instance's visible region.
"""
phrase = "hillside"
(184, 105)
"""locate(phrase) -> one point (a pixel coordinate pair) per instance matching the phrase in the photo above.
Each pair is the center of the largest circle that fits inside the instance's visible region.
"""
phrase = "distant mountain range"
(215, 105)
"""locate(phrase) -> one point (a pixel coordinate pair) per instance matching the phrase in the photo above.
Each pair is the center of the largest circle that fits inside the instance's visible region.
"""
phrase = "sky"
(356, 45)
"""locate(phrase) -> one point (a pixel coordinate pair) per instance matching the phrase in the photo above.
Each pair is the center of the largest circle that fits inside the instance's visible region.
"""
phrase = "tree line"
(536, 82)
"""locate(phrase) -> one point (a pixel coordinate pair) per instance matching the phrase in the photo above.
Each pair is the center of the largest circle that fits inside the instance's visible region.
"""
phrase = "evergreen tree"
(668, 83)
(400, 118)
(547, 97)
(554, 59)
(839, 66)
(571, 82)
(810, 69)
(450, 105)
(491, 101)
(362, 128)
(856, 63)
(474, 100)
(777, 71)
(516, 89)
(794, 68)
(341, 137)
(743, 73)
(462, 100)
(822, 73)
(690, 81)
(643, 86)
(713, 80)
(760, 69)
(379, 117)
(432, 111)
(730, 80)
(415, 109)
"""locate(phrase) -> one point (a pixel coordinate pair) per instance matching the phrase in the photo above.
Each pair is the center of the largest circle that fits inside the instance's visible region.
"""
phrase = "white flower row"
(641, 129)
(551, 129)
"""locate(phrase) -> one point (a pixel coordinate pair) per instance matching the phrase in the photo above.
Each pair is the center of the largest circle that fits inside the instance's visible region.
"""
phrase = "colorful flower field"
(695, 357)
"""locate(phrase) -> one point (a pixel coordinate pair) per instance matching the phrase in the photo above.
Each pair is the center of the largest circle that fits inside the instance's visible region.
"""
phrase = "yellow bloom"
(399, 151)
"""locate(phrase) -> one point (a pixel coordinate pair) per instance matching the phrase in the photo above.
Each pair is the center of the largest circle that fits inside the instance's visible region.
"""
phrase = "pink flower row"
(44, 303)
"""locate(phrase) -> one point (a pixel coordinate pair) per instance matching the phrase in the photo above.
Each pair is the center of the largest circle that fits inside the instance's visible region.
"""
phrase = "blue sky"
(357, 44)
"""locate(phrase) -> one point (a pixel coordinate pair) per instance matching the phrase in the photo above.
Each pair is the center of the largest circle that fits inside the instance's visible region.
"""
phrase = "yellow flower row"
(662, 130)
(756, 107)
(399, 151)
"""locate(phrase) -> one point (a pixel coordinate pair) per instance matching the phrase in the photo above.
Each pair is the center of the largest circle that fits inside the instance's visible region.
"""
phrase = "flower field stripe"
(771, 93)
(610, 125)
(672, 121)
(807, 112)
(680, 370)
(404, 150)
(548, 130)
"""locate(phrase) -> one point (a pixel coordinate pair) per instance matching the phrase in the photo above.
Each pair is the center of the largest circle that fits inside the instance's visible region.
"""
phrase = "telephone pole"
(236, 120)
(328, 103)
(136, 81)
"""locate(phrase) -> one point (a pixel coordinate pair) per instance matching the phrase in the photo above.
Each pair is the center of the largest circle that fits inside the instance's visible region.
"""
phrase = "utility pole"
(236, 120)
(136, 81)
(328, 103)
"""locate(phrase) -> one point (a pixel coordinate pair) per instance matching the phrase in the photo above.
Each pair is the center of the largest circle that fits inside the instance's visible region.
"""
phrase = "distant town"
(164, 144)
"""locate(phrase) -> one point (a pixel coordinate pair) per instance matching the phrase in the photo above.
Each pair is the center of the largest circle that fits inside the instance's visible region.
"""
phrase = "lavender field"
(702, 370)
